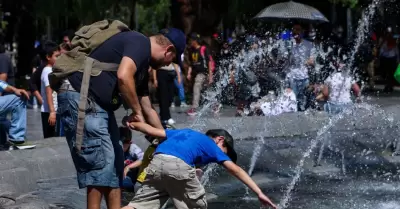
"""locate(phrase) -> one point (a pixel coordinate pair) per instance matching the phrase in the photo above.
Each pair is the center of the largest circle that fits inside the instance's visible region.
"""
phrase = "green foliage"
(153, 14)
(153, 17)
(349, 3)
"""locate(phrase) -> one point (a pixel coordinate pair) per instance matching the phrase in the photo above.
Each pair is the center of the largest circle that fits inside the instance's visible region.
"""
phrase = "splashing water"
(362, 30)
(299, 168)
(343, 163)
(320, 136)
(256, 154)
(207, 174)
(364, 27)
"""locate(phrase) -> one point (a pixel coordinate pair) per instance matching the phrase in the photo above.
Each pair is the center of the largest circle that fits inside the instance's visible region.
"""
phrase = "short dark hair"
(220, 132)
(69, 33)
(162, 40)
(125, 134)
(48, 49)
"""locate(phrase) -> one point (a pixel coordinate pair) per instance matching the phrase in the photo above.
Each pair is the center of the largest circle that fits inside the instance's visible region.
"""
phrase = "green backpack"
(85, 41)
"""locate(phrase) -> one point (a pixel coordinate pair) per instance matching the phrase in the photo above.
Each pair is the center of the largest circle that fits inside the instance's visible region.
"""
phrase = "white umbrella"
(291, 11)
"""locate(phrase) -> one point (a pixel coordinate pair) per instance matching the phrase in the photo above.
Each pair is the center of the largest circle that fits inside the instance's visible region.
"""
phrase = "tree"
(153, 15)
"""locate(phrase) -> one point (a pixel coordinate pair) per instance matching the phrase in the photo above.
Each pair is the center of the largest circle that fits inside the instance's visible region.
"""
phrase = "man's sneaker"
(173, 104)
(171, 122)
(5, 147)
(183, 104)
(21, 145)
(191, 112)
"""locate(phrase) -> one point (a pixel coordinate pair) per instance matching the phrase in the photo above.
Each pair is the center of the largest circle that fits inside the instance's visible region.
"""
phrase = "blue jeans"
(59, 127)
(33, 100)
(181, 89)
(336, 108)
(130, 179)
(299, 87)
(17, 107)
(128, 183)
(100, 162)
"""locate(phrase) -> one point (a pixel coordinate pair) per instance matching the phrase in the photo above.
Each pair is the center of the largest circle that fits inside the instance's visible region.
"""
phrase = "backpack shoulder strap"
(203, 50)
(83, 102)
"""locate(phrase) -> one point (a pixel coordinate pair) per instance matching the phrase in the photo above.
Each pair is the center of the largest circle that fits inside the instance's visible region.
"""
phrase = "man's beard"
(156, 64)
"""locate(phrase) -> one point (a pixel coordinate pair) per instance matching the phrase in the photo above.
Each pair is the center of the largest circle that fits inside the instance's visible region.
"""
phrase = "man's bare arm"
(149, 113)
(155, 81)
(38, 97)
(126, 84)
(3, 77)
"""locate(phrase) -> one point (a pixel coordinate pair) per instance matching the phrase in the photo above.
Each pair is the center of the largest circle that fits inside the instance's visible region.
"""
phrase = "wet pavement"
(63, 193)
(178, 114)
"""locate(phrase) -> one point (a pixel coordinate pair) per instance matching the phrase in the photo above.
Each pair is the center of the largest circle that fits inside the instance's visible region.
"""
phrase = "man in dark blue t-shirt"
(172, 174)
(99, 163)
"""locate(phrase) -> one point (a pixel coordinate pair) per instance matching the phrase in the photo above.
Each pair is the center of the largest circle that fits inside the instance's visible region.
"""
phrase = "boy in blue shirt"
(172, 173)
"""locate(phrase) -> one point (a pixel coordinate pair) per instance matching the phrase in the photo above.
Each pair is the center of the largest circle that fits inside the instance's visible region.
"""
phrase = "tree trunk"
(133, 22)
(349, 24)
(25, 39)
(48, 28)
(333, 14)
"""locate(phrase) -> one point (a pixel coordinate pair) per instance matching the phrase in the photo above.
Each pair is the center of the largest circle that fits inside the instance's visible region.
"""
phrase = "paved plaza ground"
(179, 115)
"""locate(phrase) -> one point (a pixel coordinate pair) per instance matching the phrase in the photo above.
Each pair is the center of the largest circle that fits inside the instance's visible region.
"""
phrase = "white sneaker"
(171, 122)
(35, 107)
(173, 104)
(183, 104)
(217, 108)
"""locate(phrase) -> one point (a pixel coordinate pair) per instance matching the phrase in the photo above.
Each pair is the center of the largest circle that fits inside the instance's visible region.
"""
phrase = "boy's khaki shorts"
(170, 177)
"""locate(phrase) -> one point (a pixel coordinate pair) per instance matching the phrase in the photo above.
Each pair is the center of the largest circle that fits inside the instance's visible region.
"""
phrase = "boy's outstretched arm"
(147, 129)
(240, 174)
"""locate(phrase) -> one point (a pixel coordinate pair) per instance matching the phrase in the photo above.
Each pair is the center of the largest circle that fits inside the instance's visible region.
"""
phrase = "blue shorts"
(101, 161)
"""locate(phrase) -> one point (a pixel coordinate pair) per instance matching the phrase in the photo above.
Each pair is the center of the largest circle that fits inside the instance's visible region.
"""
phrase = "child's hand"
(126, 170)
(132, 125)
(52, 119)
(266, 201)
(199, 173)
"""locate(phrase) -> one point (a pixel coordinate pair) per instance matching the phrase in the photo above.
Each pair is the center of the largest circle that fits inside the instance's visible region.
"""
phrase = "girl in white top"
(337, 90)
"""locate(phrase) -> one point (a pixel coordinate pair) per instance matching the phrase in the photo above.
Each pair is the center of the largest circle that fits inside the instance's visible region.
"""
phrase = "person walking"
(164, 82)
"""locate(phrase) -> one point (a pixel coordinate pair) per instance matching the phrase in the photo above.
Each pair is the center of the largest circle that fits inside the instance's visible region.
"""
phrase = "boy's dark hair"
(228, 141)
(48, 50)
(125, 134)
(69, 33)
(219, 132)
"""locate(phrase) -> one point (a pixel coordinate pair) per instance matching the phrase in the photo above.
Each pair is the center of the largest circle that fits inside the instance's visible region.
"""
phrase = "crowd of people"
(299, 69)
(104, 156)
(78, 98)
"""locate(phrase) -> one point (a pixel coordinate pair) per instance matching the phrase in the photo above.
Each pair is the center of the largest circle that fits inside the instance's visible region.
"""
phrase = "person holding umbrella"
(301, 59)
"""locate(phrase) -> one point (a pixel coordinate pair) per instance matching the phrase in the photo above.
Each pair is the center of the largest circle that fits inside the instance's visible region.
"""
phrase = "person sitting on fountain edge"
(172, 173)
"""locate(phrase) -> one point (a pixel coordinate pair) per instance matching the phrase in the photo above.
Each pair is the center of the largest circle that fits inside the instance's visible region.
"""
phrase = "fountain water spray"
(256, 154)
(299, 168)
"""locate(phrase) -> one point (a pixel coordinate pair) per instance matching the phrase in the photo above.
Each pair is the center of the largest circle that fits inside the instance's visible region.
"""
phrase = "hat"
(195, 36)
(228, 139)
(178, 39)
(231, 151)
